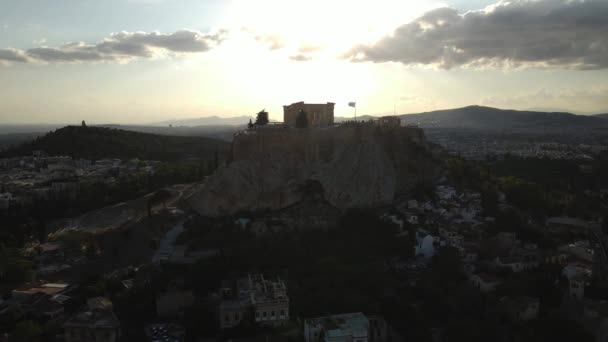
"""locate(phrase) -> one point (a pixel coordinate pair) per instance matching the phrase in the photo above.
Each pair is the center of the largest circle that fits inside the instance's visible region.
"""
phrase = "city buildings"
(266, 299)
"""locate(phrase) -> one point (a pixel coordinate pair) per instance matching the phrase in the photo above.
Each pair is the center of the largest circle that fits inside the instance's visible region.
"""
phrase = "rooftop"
(93, 319)
(342, 325)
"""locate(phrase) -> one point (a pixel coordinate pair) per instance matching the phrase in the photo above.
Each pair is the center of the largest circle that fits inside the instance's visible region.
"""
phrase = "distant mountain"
(359, 118)
(224, 132)
(603, 116)
(101, 142)
(207, 121)
(487, 118)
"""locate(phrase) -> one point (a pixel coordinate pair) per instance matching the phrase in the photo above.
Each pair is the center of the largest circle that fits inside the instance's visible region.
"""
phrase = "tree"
(250, 124)
(301, 119)
(26, 331)
(261, 118)
(84, 124)
(162, 196)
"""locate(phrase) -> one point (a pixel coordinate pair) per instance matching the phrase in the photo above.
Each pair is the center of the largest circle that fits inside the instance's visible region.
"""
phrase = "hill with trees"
(487, 118)
(100, 142)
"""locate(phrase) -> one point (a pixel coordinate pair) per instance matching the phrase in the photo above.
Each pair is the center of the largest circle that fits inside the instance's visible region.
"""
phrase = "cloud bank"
(569, 34)
(119, 47)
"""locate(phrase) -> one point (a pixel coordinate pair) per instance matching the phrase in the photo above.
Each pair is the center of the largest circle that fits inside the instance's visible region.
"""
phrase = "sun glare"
(331, 25)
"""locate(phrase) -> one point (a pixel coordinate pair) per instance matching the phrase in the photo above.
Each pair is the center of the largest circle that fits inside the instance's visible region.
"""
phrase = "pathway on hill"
(165, 248)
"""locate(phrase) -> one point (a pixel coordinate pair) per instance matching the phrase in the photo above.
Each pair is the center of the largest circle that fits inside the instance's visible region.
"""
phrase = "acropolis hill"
(358, 164)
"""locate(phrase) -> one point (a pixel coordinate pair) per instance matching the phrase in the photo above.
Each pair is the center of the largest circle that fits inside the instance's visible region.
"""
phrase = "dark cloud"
(543, 33)
(119, 47)
(12, 55)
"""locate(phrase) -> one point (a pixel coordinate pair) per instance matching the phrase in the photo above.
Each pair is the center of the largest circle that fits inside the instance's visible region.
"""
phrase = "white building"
(484, 282)
(351, 327)
(577, 279)
(425, 244)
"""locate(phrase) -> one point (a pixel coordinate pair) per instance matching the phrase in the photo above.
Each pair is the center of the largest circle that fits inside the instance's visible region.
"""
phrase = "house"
(425, 244)
(580, 249)
(576, 277)
(267, 299)
(50, 289)
(351, 327)
(566, 225)
(520, 308)
(518, 261)
(554, 258)
(484, 282)
(451, 237)
(96, 322)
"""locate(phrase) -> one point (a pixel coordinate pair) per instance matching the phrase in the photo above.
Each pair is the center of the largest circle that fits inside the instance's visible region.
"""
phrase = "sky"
(145, 61)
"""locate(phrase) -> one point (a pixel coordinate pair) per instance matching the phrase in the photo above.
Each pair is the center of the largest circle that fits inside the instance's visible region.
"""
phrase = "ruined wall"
(313, 145)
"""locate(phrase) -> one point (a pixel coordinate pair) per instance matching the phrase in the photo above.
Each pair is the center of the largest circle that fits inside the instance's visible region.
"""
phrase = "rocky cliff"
(357, 166)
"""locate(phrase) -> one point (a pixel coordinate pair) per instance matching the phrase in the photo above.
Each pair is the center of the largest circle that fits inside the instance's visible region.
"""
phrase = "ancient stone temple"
(318, 115)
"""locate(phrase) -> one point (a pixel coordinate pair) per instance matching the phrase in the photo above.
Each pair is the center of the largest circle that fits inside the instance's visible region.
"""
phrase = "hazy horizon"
(252, 116)
(147, 61)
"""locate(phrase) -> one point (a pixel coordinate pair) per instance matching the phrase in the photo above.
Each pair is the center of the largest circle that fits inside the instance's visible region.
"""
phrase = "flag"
(352, 104)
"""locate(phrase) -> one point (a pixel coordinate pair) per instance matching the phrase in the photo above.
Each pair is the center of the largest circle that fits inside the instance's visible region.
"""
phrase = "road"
(165, 248)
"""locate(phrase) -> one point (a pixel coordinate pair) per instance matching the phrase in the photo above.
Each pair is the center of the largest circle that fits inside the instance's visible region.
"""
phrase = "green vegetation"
(26, 331)
(13, 267)
(98, 143)
(261, 118)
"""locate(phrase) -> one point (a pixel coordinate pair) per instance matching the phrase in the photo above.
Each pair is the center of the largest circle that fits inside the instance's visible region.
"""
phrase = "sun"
(332, 25)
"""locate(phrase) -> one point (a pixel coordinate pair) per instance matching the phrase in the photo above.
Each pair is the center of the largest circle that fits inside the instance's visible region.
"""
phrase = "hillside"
(487, 118)
(351, 166)
(100, 142)
(603, 116)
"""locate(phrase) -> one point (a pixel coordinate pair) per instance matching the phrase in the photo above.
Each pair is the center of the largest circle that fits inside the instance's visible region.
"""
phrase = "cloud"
(12, 55)
(274, 42)
(300, 58)
(570, 34)
(309, 48)
(119, 47)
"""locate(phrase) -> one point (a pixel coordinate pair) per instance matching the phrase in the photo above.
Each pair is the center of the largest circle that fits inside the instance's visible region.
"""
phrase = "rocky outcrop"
(357, 166)
(360, 175)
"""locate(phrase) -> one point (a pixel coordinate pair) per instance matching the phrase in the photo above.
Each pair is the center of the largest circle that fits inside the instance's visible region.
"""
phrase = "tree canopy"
(262, 118)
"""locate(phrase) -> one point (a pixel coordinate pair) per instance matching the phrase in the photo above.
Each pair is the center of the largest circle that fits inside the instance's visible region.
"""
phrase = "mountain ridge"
(488, 118)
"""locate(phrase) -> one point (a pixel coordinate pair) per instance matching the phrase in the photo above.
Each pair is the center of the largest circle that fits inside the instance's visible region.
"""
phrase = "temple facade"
(318, 115)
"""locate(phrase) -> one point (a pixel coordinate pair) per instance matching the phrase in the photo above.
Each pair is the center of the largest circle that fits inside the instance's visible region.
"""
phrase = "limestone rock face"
(360, 175)
(266, 182)
(356, 166)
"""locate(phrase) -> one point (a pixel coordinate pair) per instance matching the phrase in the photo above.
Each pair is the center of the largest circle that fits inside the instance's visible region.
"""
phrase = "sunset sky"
(143, 61)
